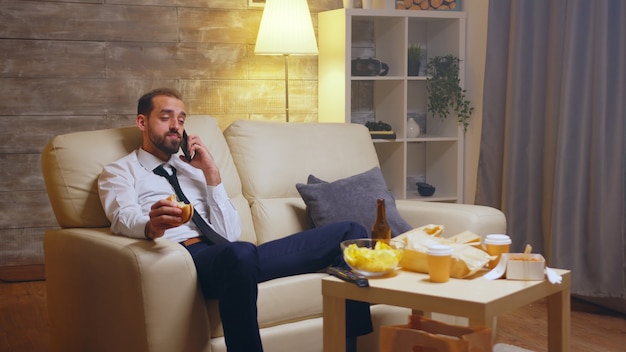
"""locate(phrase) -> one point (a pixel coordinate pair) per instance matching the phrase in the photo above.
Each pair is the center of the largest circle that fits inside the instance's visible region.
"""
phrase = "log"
(435, 4)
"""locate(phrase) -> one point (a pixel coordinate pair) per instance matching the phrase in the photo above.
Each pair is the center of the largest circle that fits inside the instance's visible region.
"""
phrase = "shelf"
(436, 154)
(377, 78)
(382, 140)
(434, 198)
(426, 138)
(393, 13)
(417, 78)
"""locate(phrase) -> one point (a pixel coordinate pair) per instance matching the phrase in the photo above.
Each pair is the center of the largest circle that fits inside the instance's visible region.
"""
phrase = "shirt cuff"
(217, 194)
(139, 230)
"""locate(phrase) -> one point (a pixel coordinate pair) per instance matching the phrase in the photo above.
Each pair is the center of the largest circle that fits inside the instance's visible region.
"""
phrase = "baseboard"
(18, 273)
(616, 304)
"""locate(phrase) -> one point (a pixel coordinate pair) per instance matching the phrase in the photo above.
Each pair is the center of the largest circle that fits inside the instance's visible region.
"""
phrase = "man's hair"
(145, 106)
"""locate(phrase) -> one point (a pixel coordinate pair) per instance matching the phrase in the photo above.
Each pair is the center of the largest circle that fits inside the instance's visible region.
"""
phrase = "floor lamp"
(286, 29)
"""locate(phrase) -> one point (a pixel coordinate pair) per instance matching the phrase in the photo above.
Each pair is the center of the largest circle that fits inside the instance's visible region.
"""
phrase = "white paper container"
(524, 267)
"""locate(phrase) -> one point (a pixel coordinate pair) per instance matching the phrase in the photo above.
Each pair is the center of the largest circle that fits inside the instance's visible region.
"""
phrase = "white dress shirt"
(128, 188)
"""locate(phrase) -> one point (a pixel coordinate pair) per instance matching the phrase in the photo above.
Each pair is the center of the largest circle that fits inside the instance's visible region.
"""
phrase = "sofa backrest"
(272, 157)
(71, 164)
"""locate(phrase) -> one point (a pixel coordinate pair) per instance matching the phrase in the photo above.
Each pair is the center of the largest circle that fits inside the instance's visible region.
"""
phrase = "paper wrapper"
(422, 334)
(467, 258)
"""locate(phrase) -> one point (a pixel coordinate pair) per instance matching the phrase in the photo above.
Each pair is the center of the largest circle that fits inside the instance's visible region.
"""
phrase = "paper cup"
(367, 4)
(348, 4)
(439, 262)
(496, 244)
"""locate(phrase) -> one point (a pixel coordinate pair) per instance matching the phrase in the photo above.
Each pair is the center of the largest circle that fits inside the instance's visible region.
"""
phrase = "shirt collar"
(149, 161)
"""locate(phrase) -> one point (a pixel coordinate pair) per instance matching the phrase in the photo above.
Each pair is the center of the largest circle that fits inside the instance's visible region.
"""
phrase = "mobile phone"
(185, 147)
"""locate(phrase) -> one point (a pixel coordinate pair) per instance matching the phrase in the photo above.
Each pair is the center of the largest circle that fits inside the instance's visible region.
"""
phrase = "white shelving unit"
(435, 156)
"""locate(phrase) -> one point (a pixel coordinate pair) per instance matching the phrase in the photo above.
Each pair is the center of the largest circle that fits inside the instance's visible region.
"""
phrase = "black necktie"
(204, 228)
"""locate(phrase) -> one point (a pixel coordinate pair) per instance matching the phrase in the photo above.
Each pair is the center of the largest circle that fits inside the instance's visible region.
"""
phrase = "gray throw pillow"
(351, 199)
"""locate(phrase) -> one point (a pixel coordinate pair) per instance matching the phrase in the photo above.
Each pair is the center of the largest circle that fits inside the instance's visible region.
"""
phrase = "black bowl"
(424, 189)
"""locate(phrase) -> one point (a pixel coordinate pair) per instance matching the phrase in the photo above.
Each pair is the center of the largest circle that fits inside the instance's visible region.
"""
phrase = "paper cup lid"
(439, 249)
(497, 239)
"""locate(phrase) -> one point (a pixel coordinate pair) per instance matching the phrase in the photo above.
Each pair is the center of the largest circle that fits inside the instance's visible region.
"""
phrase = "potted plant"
(415, 57)
(445, 93)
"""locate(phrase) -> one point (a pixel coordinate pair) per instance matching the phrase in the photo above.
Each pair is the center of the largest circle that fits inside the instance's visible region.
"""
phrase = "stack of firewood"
(426, 4)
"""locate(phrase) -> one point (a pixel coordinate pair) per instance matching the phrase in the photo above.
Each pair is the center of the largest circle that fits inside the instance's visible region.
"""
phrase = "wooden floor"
(24, 323)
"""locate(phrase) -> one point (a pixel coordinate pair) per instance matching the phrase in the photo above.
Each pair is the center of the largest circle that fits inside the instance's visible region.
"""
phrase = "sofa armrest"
(113, 293)
(456, 218)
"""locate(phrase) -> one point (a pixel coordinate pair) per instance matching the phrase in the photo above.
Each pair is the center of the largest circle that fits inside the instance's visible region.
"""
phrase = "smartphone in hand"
(184, 146)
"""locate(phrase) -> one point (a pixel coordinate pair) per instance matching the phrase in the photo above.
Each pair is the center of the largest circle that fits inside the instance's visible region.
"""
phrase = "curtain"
(552, 153)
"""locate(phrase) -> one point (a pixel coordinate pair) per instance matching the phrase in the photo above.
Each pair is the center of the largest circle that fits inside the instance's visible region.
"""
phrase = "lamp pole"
(286, 86)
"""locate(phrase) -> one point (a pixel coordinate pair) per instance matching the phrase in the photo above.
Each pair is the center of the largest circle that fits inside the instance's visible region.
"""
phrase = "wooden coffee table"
(478, 299)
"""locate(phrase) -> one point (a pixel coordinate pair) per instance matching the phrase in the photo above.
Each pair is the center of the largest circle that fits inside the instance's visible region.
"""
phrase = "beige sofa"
(112, 293)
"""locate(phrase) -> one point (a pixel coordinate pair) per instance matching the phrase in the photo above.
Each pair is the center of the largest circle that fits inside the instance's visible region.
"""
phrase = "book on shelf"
(383, 134)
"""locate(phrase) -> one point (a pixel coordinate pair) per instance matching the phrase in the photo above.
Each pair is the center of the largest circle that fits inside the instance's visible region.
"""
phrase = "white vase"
(412, 128)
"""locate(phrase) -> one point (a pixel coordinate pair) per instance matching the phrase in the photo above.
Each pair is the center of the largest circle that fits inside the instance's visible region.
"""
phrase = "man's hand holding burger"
(166, 214)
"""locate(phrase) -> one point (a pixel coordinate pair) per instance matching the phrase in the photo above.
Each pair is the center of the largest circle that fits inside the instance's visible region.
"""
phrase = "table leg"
(421, 313)
(559, 321)
(480, 322)
(485, 322)
(334, 317)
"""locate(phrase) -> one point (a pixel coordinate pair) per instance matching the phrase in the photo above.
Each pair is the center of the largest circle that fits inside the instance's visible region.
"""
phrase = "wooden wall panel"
(172, 61)
(29, 134)
(27, 209)
(218, 26)
(73, 21)
(61, 96)
(250, 96)
(21, 246)
(214, 4)
(45, 58)
(20, 173)
(75, 65)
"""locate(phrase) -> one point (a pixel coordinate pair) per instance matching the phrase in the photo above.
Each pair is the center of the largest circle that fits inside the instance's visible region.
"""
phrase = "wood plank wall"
(72, 65)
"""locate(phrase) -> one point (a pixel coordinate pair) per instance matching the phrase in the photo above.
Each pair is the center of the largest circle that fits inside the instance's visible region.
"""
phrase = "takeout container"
(520, 266)
(467, 257)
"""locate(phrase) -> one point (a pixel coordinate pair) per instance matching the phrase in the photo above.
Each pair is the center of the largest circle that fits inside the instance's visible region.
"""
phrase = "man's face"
(163, 129)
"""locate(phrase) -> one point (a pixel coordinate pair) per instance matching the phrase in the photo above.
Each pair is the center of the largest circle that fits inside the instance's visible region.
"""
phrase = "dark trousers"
(230, 273)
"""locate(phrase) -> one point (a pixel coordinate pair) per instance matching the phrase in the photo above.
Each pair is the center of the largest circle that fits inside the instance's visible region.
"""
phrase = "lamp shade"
(286, 29)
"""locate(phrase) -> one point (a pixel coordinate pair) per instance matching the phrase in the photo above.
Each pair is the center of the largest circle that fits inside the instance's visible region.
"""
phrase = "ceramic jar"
(412, 128)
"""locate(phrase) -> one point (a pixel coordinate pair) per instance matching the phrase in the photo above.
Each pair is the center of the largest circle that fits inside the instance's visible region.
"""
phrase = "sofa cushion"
(271, 157)
(278, 217)
(280, 301)
(352, 198)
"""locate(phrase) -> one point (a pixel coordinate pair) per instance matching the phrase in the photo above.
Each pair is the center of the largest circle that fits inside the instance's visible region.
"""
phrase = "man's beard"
(169, 146)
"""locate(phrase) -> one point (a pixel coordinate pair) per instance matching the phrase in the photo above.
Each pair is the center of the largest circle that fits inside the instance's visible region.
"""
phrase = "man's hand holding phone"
(199, 156)
(184, 145)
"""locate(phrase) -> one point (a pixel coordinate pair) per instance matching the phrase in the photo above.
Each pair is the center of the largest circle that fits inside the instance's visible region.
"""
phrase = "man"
(134, 191)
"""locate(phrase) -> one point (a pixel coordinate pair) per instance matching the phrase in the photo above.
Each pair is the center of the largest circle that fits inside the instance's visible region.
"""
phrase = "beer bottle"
(380, 229)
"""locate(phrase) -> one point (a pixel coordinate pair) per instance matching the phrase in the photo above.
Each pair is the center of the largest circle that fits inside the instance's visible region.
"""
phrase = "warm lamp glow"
(286, 29)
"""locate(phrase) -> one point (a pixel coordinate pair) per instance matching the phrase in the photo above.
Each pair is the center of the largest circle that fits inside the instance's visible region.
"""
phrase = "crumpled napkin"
(553, 276)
